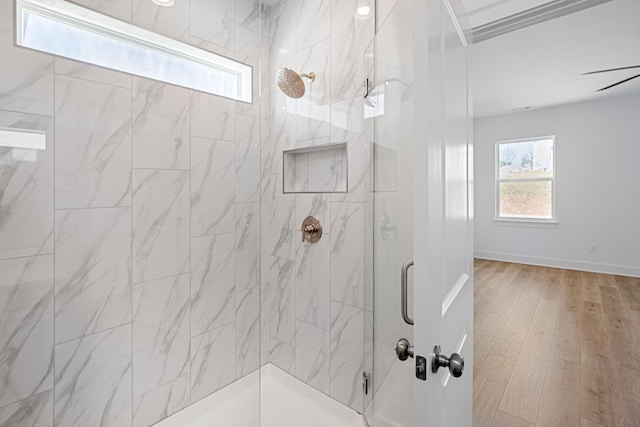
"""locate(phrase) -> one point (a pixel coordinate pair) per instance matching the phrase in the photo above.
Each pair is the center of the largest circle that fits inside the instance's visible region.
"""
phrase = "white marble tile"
(213, 182)
(26, 189)
(265, 321)
(312, 356)
(348, 125)
(368, 252)
(93, 144)
(161, 402)
(248, 51)
(350, 37)
(35, 411)
(214, 21)
(247, 159)
(213, 116)
(205, 45)
(347, 253)
(160, 332)
(212, 361)
(383, 8)
(368, 354)
(313, 282)
(267, 153)
(93, 380)
(265, 21)
(281, 133)
(26, 76)
(326, 171)
(247, 246)
(160, 128)
(383, 361)
(247, 331)
(93, 73)
(346, 355)
(172, 22)
(312, 22)
(314, 108)
(213, 291)
(296, 173)
(317, 205)
(120, 9)
(26, 327)
(265, 251)
(283, 356)
(281, 235)
(270, 184)
(93, 271)
(160, 224)
(248, 14)
(266, 79)
(282, 305)
(282, 26)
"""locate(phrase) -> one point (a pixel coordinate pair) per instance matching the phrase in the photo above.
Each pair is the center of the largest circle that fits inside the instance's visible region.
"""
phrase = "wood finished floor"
(555, 347)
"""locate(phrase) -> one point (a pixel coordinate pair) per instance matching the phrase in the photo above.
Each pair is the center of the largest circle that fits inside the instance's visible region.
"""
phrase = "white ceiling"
(541, 66)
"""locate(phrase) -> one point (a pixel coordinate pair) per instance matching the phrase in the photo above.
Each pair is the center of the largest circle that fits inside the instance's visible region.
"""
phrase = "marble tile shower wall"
(314, 303)
(129, 262)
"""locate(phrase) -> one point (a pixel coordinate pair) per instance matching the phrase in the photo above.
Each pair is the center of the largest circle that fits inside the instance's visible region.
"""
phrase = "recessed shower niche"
(316, 169)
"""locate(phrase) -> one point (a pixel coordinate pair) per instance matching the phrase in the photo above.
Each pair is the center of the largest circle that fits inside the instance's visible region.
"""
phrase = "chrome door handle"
(403, 291)
(404, 349)
(455, 363)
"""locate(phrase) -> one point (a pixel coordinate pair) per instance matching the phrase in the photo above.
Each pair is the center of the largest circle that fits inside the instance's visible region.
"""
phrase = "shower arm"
(310, 76)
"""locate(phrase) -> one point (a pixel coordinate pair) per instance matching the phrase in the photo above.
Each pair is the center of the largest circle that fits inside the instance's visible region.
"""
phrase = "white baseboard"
(620, 270)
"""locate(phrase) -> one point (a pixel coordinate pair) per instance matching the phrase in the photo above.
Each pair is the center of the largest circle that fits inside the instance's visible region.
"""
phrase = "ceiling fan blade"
(619, 83)
(612, 69)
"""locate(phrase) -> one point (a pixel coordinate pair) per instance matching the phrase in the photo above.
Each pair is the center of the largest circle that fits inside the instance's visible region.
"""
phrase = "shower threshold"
(286, 402)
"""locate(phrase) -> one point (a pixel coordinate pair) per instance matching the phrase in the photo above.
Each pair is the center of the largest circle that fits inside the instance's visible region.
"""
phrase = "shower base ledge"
(286, 402)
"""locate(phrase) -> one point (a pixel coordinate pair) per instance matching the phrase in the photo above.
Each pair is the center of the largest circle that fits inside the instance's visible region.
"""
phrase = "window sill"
(527, 222)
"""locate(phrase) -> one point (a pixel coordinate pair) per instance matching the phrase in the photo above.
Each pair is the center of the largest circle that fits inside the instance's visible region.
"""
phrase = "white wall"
(597, 187)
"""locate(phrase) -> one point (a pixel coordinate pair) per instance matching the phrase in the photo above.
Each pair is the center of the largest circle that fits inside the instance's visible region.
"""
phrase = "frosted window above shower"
(65, 29)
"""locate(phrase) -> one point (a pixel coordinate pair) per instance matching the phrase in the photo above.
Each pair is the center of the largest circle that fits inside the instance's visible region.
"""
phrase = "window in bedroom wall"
(65, 29)
(525, 179)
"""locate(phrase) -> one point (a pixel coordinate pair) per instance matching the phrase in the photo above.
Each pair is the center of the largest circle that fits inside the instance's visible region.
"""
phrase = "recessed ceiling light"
(164, 3)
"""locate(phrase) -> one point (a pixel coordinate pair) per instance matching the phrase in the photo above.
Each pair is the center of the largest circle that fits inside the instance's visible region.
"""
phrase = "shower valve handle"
(311, 230)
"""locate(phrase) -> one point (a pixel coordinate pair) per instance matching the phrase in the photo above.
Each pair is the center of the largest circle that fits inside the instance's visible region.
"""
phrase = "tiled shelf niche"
(316, 169)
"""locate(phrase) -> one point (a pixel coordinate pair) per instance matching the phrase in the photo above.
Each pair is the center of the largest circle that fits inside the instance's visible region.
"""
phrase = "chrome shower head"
(291, 84)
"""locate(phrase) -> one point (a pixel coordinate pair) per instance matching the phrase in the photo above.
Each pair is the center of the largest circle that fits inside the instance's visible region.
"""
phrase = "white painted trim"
(456, 23)
(453, 292)
(526, 221)
(65, 29)
(620, 270)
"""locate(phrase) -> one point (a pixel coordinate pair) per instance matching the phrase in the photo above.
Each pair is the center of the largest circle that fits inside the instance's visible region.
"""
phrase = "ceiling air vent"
(536, 15)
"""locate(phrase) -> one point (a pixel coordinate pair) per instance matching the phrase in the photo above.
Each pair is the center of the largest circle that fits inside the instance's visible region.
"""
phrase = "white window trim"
(516, 219)
(167, 60)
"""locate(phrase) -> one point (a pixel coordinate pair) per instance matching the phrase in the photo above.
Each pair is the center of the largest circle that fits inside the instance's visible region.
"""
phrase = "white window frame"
(498, 181)
(65, 29)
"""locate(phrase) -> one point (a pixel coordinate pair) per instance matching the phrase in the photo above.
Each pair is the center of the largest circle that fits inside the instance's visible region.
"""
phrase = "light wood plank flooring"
(555, 347)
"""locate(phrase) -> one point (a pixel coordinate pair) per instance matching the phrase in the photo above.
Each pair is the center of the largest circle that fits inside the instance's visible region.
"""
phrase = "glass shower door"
(390, 105)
